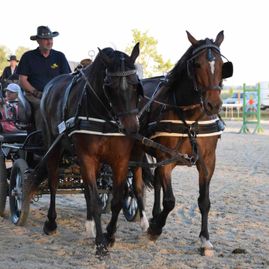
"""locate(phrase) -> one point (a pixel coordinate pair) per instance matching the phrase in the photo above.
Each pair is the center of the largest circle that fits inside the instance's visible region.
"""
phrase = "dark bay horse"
(94, 110)
(182, 115)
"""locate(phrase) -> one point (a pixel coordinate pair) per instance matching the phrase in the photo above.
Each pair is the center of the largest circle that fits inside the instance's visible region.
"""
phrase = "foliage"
(20, 51)
(4, 53)
(149, 58)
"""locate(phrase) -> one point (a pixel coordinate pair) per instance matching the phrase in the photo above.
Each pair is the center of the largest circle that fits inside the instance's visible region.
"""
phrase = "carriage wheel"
(130, 206)
(3, 185)
(105, 198)
(18, 190)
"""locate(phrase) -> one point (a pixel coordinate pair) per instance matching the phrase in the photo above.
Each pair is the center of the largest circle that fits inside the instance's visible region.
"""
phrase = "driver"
(37, 67)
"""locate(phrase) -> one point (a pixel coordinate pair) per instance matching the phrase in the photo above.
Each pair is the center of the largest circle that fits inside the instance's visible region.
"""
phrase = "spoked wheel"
(130, 206)
(105, 198)
(3, 185)
(18, 191)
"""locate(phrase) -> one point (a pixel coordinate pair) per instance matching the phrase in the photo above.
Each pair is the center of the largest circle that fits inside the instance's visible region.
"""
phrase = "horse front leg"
(139, 193)
(89, 224)
(50, 225)
(205, 174)
(88, 173)
(158, 221)
(157, 196)
(120, 171)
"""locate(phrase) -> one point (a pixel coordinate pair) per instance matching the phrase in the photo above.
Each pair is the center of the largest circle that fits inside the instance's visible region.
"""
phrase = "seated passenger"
(12, 107)
(83, 63)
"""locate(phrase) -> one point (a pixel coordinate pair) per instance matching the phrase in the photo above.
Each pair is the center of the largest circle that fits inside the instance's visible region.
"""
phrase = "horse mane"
(96, 71)
(92, 71)
(180, 69)
(179, 81)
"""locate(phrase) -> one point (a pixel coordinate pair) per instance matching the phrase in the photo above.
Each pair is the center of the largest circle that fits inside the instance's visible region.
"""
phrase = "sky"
(85, 25)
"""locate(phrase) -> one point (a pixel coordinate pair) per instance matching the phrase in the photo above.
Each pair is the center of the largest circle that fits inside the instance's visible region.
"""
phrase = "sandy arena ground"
(238, 221)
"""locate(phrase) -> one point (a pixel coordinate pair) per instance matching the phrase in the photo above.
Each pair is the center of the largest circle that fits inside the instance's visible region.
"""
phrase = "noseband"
(122, 73)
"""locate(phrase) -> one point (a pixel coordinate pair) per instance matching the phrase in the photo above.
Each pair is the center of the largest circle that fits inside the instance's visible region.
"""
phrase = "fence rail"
(232, 110)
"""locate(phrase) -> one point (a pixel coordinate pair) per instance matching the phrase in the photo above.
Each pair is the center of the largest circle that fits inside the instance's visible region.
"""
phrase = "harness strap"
(187, 129)
(88, 125)
(155, 94)
(175, 155)
(67, 93)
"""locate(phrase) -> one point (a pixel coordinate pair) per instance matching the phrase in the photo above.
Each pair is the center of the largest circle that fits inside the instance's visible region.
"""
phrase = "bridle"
(227, 69)
(123, 74)
(209, 46)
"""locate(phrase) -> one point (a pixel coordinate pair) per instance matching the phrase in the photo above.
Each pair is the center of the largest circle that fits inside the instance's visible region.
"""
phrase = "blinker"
(227, 70)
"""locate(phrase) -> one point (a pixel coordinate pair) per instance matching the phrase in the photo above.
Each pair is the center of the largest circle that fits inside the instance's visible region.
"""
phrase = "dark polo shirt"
(39, 69)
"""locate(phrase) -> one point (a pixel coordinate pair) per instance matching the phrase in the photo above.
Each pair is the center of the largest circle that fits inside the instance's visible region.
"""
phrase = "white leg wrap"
(205, 243)
(90, 228)
(144, 223)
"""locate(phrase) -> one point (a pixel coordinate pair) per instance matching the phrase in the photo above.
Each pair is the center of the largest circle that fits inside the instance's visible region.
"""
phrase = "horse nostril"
(209, 106)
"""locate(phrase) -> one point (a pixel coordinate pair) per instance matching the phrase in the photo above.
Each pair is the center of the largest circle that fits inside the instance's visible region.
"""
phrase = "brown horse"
(182, 115)
(94, 109)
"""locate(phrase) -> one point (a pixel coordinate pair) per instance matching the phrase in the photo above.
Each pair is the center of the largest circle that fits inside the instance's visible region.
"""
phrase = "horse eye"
(197, 65)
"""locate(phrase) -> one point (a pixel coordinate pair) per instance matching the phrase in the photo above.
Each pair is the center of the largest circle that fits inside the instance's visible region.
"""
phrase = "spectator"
(83, 63)
(37, 67)
(10, 72)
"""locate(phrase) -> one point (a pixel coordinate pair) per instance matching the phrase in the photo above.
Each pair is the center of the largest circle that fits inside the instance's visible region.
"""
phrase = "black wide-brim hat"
(44, 32)
(13, 58)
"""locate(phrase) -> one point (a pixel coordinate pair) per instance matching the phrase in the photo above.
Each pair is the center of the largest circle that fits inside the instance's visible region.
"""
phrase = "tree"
(20, 51)
(149, 58)
(4, 53)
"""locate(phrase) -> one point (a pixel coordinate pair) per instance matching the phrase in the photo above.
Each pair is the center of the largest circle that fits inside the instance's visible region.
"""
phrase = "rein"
(153, 97)
(175, 155)
(115, 74)
(94, 92)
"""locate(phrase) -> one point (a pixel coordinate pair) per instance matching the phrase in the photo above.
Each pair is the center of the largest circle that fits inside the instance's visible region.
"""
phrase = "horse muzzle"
(129, 124)
(212, 107)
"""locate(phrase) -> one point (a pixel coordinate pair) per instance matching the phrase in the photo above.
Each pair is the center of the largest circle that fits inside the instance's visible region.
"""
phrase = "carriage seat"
(13, 137)
(24, 117)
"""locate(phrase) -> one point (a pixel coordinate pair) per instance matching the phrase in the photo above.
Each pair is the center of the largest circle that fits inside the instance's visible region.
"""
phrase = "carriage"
(21, 152)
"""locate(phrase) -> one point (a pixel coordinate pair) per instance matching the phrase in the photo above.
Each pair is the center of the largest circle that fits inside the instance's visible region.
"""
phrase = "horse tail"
(147, 172)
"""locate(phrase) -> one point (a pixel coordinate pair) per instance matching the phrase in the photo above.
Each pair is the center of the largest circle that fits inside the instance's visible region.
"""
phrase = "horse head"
(207, 70)
(122, 87)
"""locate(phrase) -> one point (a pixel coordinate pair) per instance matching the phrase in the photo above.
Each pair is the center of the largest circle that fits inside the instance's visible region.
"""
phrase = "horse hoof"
(206, 247)
(154, 233)
(152, 237)
(208, 252)
(101, 251)
(50, 228)
(110, 240)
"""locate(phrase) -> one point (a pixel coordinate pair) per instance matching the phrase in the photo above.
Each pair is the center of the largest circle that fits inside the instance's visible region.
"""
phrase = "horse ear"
(106, 60)
(135, 52)
(191, 38)
(219, 38)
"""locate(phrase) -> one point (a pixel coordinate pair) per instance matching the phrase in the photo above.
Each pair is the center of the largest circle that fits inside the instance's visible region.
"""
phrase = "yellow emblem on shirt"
(54, 66)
